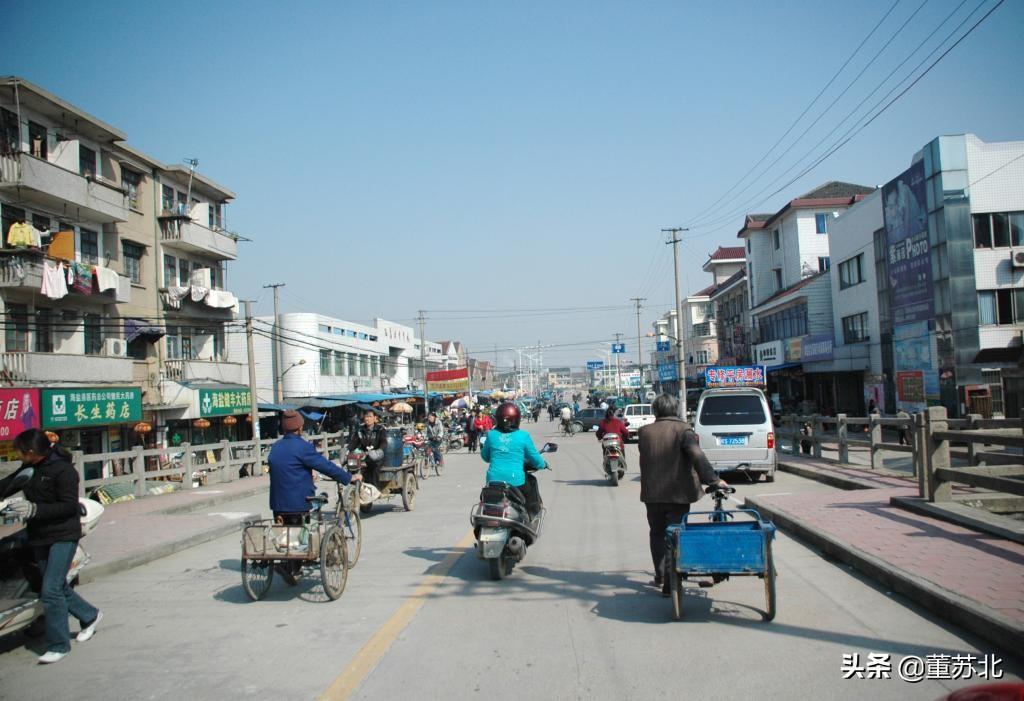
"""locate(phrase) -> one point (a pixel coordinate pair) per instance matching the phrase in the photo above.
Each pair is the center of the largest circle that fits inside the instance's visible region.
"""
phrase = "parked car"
(636, 417)
(588, 418)
(734, 425)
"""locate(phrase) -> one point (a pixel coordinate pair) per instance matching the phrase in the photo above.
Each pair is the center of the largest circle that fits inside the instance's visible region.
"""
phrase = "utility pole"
(254, 409)
(639, 353)
(278, 350)
(423, 362)
(680, 360)
(618, 377)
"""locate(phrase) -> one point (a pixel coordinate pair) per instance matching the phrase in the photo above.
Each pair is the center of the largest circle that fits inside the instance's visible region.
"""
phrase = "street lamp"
(300, 362)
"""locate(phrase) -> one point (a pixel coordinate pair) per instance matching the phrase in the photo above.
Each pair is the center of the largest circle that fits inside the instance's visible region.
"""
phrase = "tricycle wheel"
(769, 584)
(257, 576)
(675, 586)
(409, 488)
(352, 526)
(333, 563)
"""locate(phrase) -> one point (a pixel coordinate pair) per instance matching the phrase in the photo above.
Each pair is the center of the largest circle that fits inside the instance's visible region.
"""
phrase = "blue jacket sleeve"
(532, 455)
(485, 452)
(315, 461)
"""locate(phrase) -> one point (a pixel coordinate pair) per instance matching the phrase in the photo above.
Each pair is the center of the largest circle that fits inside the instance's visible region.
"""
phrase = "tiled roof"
(754, 221)
(727, 253)
(706, 292)
(732, 279)
(836, 188)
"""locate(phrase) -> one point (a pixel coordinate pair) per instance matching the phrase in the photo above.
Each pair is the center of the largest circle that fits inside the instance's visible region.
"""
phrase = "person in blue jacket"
(292, 460)
(508, 449)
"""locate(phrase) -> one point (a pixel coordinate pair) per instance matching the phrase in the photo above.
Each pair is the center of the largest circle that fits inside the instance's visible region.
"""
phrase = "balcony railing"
(21, 366)
(189, 236)
(218, 371)
(42, 182)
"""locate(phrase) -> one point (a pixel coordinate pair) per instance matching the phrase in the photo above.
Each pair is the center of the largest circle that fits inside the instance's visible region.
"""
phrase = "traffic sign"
(618, 348)
(595, 364)
(663, 346)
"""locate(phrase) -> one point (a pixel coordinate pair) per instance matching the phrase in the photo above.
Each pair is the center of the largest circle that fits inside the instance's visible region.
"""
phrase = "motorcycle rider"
(612, 424)
(369, 438)
(292, 461)
(52, 517)
(566, 416)
(507, 450)
(434, 432)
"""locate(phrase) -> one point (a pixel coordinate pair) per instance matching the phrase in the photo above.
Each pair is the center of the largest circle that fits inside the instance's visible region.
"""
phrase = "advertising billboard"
(448, 380)
(20, 411)
(908, 251)
(746, 375)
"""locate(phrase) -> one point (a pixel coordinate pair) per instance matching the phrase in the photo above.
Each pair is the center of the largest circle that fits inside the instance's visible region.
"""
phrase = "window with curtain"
(90, 248)
(44, 331)
(132, 261)
(339, 364)
(325, 362)
(16, 328)
(93, 334)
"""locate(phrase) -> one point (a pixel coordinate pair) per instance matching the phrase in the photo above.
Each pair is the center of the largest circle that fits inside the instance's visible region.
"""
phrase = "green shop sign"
(222, 402)
(91, 406)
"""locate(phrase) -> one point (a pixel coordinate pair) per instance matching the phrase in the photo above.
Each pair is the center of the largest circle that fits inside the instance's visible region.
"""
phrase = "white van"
(636, 416)
(734, 425)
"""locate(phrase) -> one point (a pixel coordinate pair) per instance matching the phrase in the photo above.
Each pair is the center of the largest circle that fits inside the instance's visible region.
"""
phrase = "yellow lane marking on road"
(377, 646)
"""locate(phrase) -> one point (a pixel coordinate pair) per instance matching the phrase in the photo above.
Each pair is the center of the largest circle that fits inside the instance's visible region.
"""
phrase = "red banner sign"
(19, 411)
(448, 380)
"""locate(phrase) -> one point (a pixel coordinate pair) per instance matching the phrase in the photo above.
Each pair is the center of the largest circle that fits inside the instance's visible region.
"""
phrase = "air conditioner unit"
(115, 348)
(1017, 257)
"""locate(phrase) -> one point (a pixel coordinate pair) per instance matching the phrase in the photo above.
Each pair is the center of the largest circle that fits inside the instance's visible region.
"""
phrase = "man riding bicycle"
(566, 416)
(434, 433)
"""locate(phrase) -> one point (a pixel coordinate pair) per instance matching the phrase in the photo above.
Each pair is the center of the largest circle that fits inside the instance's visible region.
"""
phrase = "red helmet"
(507, 417)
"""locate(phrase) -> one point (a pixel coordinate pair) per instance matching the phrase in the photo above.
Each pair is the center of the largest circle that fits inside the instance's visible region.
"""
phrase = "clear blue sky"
(479, 155)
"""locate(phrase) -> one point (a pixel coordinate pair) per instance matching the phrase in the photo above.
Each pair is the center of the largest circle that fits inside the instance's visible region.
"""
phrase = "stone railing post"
(817, 426)
(186, 466)
(139, 470)
(875, 436)
(225, 462)
(78, 459)
(972, 448)
(937, 451)
(843, 447)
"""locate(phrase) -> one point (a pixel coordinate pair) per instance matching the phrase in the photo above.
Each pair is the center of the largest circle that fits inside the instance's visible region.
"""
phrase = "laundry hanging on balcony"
(106, 279)
(220, 299)
(20, 235)
(134, 328)
(83, 278)
(54, 280)
(201, 284)
(174, 295)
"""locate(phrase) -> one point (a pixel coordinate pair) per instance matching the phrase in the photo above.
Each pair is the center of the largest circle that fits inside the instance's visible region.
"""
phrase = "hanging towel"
(174, 295)
(83, 279)
(106, 279)
(201, 284)
(19, 235)
(62, 245)
(54, 285)
(220, 299)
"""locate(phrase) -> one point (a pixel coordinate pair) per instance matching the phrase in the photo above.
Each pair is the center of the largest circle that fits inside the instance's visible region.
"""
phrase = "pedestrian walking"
(904, 432)
(54, 527)
(471, 430)
(672, 469)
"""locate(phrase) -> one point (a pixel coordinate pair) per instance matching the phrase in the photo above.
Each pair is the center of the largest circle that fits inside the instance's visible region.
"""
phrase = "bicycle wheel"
(439, 466)
(257, 576)
(333, 563)
(769, 584)
(423, 466)
(352, 526)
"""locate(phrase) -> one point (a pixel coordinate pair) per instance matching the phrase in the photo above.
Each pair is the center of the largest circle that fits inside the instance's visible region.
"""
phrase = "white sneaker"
(89, 630)
(50, 657)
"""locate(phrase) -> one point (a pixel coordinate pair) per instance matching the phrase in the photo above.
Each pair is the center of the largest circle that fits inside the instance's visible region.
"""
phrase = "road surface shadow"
(308, 589)
(600, 482)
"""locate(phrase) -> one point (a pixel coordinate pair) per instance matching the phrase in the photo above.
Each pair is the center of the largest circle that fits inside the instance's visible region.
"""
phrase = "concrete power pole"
(639, 352)
(618, 377)
(278, 354)
(254, 409)
(680, 360)
(423, 361)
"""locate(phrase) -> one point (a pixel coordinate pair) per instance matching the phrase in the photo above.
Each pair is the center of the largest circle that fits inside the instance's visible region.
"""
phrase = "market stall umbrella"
(401, 408)
(460, 404)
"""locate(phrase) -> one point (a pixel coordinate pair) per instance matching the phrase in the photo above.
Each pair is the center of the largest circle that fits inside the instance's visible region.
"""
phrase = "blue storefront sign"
(618, 348)
(595, 364)
(816, 348)
(735, 376)
(668, 372)
(663, 346)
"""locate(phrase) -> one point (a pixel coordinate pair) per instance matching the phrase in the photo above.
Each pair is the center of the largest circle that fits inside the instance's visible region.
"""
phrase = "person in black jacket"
(370, 438)
(54, 528)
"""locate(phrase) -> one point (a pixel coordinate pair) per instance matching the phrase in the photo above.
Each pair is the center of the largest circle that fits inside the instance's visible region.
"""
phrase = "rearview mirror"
(549, 448)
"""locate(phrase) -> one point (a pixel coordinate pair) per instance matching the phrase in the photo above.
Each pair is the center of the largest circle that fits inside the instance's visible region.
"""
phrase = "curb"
(127, 562)
(830, 478)
(963, 516)
(978, 619)
(216, 500)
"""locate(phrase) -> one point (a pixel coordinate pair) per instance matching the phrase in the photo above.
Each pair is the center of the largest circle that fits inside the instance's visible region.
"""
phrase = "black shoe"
(285, 570)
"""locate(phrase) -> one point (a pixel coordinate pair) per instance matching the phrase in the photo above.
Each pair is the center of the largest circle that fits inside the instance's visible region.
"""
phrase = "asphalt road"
(577, 619)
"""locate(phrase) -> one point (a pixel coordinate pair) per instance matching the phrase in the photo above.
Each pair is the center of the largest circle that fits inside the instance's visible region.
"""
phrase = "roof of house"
(727, 253)
(834, 193)
(706, 292)
(792, 288)
(754, 221)
(739, 276)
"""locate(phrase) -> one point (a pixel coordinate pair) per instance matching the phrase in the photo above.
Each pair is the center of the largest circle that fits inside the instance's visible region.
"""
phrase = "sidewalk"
(855, 476)
(973, 579)
(135, 532)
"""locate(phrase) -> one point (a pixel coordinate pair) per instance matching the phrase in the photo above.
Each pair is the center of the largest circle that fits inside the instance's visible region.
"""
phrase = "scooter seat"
(495, 492)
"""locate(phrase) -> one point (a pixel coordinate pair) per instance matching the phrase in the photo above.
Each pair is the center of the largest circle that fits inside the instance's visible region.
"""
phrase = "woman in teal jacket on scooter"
(508, 450)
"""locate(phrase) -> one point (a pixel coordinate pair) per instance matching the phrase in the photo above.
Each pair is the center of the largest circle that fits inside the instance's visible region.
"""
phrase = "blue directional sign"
(668, 372)
(595, 364)
(663, 346)
(618, 348)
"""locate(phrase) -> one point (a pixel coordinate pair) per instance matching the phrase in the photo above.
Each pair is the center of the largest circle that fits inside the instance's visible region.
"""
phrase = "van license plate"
(733, 440)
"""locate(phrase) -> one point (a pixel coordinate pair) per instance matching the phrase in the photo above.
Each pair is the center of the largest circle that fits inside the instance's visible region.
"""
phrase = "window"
(173, 341)
(787, 323)
(132, 261)
(824, 263)
(323, 328)
(182, 207)
(131, 181)
(855, 328)
(37, 140)
(44, 330)
(87, 161)
(1001, 307)
(220, 347)
(778, 278)
(325, 362)
(90, 246)
(821, 223)
(170, 270)
(93, 334)
(775, 239)
(748, 245)
(184, 272)
(851, 272)
(167, 198)
(339, 364)
(10, 136)
(16, 328)
(736, 410)
(998, 230)
(702, 357)
(42, 222)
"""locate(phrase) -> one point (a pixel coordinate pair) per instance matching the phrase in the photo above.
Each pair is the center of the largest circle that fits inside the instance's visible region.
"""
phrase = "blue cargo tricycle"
(729, 543)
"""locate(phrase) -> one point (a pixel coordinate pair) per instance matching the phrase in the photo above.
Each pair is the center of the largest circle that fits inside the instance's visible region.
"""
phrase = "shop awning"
(1011, 355)
(278, 407)
(784, 366)
(311, 415)
(320, 402)
(367, 407)
(134, 328)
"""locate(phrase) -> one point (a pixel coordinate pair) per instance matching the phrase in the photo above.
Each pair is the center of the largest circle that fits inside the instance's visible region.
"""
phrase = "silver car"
(734, 425)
